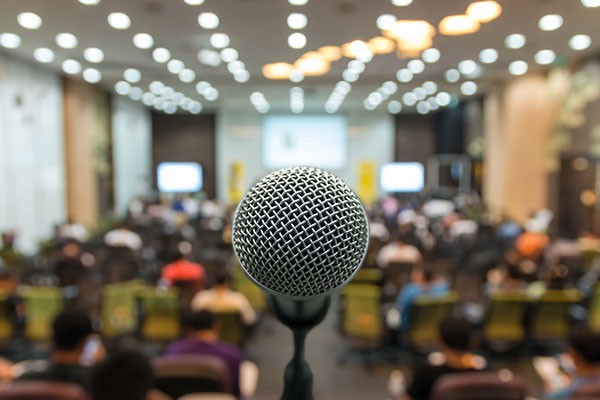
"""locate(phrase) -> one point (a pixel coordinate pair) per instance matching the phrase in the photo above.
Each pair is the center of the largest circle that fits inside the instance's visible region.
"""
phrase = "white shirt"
(123, 238)
(216, 300)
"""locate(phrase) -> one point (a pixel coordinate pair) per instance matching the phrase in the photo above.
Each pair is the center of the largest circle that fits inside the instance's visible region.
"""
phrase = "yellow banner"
(236, 182)
(367, 182)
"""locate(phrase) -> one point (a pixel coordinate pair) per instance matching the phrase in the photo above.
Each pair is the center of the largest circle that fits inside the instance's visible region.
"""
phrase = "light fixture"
(545, 57)
(208, 20)
(381, 45)
(298, 2)
(156, 87)
(484, 11)
(229, 54)
(202, 87)
(431, 55)
(148, 98)
(119, 20)
(209, 57)
(518, 67)
(175, 66)
(357, 49)
(312, 66)
(394, 107)
(386, 21)
(430, 87)
(236, 66)
(350, 76)
(412, 36)
(297, 21)
(92, 75)
(278, 70)
(423, 107)
(296, 75)
(356, 66)
(468, 88)
(452, 75)
(211, 94)
(296, 40)
(132, 75)
(550, 22)
(443, 99)
(409, 99)
(515, 41)
(591, 3)
(10, 40)
(219, 40)
(420, 93)
(402, 3)
(389, 87)
(580, 42)
(195, 107)
(416, 66)
(488, 56)
(29, 20)
(89, 2)
(194, 2)
(330, 53)
(467, 67)
(187, 75)
(143, 41)
(43, 55)
(241, 76)
(71, 67)
(93, 55)
(66, 40)
(161, 55)
(455, 25)
(404, 75)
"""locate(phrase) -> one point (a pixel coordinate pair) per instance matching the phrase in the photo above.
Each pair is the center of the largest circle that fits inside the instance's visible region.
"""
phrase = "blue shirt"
(406, 298)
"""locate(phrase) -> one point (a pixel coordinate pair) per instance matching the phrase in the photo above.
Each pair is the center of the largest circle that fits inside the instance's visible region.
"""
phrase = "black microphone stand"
(300, 316)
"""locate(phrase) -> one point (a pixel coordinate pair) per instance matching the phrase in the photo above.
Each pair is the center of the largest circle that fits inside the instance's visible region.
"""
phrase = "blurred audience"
(123, 236)
(183, 270)
(69, 268)
(9, 255)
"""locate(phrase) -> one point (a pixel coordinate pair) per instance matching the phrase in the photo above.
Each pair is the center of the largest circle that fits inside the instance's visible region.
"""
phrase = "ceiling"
(258, 31)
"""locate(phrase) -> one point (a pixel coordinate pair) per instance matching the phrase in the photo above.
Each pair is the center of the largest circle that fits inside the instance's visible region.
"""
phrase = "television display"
(312, 140)
(402, 177)
(179, 177)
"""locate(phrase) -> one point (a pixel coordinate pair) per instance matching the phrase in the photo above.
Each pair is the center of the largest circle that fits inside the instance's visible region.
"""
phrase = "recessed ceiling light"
(515, 41)
(467, 67)
(148, 98)
(389, 87)
(296, 75)
(187, 75)
(119, 20)
(550, 22)
(209, 57)
(195, 107)
(404, 75)
(66, 40)
(89, 2)
(71, 67)
(545, 57)
(409, 99)
(122, 88)
(484, 11)
(208, 20)
(156, 87)
(161, 55)
(10, 40)
(229, 54)
(43, 55)
(591, 3)
(443, 99)
(356, 66)
(452, 75)
(430, 55)
(298, 2)
(29, 20)
(416, 66)
(132, 75)
(202, 87)
(386, 21)
(518, 67)
(402, 3)
(420, 93)
(297, 40)
(175, 66)
(580, 42)
(394, 107)
(136, 93)
(423, 107)
(455, 25)
(194, 2)
(430, 87)
(219, 40)
(211, 94)
(93, 55)
(92, 75)
(236, 66)
(468, 88)
(143, 41)
(297, 21)
(488, 56)
(241, 76)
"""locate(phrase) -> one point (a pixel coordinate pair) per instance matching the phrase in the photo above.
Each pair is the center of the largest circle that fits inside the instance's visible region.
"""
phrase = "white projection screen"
(402, 177)
(179, 177)
(305, 140)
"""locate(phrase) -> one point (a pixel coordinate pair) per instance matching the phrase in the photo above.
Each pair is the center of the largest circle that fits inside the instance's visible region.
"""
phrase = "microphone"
(299, 234)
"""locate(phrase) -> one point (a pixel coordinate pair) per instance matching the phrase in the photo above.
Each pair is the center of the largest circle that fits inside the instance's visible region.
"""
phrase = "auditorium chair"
(478, 386)
(594, 310)
(42, 304)
(368, 276)
(424, 320)
(120, 308)
(255, 295)
(549, 321)
(231, 327)
(40, 390)
(504, 319)
(6, 324)
(160, 313)
(397, 274)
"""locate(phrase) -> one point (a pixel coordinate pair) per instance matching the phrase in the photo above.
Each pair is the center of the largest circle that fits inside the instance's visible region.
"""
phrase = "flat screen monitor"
(312, 140)
(179, 177)
(402, 177)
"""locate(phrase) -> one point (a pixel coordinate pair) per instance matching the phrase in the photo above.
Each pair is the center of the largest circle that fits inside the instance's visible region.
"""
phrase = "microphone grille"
(300, 232)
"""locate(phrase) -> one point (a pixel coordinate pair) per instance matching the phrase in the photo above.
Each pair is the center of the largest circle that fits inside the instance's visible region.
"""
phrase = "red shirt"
(182, 270)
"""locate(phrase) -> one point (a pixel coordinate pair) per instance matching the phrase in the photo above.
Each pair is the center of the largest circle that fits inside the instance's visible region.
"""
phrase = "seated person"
(69, 358)
(126, 375)
(457, 343)
(181, 269)
(69, 268)
(203, 338)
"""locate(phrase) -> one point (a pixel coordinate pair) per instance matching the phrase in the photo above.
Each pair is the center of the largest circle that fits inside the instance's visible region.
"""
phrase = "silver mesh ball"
(300, 232)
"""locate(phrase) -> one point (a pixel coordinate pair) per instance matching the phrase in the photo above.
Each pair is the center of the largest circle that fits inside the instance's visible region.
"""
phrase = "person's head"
(456, 333)
(584, 347)
(199, 321)
(70, 330)
(222, 279)
(184, 249)
(421, 275)
(71, 249)
(125, 375)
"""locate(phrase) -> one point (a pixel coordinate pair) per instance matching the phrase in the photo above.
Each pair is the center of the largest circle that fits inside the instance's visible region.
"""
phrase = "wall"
(371, 138)
(32, 184)
(132, 151)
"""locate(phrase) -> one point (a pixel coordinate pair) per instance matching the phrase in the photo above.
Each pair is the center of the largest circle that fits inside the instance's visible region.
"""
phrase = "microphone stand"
(300, 316)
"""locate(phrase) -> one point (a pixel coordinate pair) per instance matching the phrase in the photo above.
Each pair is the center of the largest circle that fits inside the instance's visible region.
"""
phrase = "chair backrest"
(184, 374)
(425, 317)
(231, 327)
(594, 310)
(255, 295)
(362, 314)
(42, 304)
(6, 326)
(119, 308)
(587, 391)
(161, 313)
(40, 390)
(371, 276)
(397, 274)
(478, 386)
(549, 316)
(503, 324)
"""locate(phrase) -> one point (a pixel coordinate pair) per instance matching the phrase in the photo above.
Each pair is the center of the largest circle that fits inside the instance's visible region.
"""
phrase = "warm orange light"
(454, 25)
(410, 29)
(313, 66)
(330, 53)
(312, 54)
(484, 11)
(413, 48)
(355, 49)
(381, 45)
(278, 70)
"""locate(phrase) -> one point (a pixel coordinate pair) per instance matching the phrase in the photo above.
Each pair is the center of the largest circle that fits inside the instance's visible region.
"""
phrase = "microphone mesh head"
(300, 232)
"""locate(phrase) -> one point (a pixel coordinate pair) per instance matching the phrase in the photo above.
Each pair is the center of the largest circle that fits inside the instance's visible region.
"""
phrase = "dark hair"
(222, 277)
(126, 375)
(456, 333)
(586, 343)
(200, 320)
(70, 329)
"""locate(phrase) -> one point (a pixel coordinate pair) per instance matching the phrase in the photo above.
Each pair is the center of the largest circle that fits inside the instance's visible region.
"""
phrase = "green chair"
(424, 320)
(369, 276)
(161, 313)
(362, 318)
(6, 326)
(242, 284)
(594, 310)
(231, 327)
(550, 313)
(42, 305)
(503, 325)
(119, 311)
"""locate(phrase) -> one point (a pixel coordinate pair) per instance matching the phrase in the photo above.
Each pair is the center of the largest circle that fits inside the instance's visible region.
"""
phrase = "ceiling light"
(229, 55)
(381, 45)
(545, 57)
(93, 55)
(580, 42)
(167, 92)
(452, 75)
(208, 20)
(202, 87)
(386, 21)
(236, 66)
(143, 41)
(297, 21)
(356, 49)
(298, 2)
(43, 55)
(330, 53)
(194, 2)
(356, 66)
(484, 11)
(10, 40)
(92, 75)
(412, 35)
(550, 22)
(409, 99)
(313, 66)
(468, 88)
(209, 57)
(454, 25)
(132, 75)
(515, 41)
(389, 87)
(591, 3)
(29, 20)
(296, 40)
(175, 66)
(420, 93)
(219, 40)
(71, 67)
(394, 107)
(488, 56)
(518, 67)
(161, 55)
(241, 76)
(211, 94)
(66, 40)
(467, 67)
(136, 93)
(430, 55)
(296, 75)
(350, 76)
(423, 107)
(119, 20)
(416, 66)
(196, 107)
(443, 99)
(89, 2)
(430, 87)
(433, 105)
(257, 98)
(401, 3)
(148, 98)
(170, 108)
(187, 75)
(156, 87)
(404, 75)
